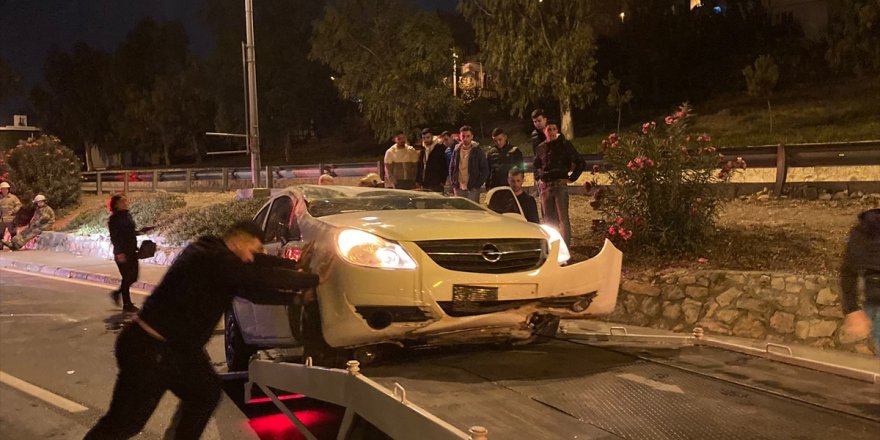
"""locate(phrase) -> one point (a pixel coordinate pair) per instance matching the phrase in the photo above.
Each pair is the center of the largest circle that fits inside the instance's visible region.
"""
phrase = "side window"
(260, 219)
(276, 223)
(502, 200)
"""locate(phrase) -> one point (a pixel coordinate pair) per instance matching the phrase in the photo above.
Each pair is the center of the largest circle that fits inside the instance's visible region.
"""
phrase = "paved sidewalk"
(64, 265)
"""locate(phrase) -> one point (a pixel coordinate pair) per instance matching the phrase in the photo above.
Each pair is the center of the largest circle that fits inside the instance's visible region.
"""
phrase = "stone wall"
(803, 309)
(97, 245)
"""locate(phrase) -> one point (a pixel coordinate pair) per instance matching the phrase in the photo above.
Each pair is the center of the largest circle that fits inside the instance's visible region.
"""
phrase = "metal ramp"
(605, 387)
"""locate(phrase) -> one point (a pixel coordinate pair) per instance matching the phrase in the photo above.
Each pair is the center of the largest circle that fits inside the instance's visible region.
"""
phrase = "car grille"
(500, 255)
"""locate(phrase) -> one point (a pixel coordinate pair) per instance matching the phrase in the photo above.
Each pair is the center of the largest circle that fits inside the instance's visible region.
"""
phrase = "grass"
(847, 111)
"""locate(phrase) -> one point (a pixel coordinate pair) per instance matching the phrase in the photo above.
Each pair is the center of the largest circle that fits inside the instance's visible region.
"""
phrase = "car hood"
(418, 225)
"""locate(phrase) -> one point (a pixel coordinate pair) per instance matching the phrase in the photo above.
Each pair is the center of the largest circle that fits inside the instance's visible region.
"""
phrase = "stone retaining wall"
(97, 245)
(803, 309)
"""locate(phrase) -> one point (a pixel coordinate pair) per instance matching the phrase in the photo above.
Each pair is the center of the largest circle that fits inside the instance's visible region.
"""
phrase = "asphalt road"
(56, 341)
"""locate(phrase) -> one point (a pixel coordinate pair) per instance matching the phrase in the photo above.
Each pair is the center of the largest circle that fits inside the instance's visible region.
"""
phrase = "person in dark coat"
(557, 163)
(123, 236)
(164, 348)
(434, 171)
(468, 169)
(539, 120)
(862, 259)
(502, 158)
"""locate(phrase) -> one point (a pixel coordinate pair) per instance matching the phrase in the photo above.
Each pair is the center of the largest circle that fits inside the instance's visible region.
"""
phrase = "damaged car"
(415, 268)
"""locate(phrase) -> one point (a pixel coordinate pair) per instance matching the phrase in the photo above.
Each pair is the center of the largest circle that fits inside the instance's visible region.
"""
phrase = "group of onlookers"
(460, 163)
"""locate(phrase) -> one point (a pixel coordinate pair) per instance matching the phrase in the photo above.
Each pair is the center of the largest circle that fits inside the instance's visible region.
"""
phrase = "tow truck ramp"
(612, 385)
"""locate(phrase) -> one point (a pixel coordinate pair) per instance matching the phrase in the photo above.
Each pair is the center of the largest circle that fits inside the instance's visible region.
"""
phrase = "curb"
(76, 274)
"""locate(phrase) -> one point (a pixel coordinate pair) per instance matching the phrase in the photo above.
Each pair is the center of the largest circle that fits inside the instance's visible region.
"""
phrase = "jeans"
(873, 313)
(147, 368)
(473, 194)
(554, 204)
(129, 272)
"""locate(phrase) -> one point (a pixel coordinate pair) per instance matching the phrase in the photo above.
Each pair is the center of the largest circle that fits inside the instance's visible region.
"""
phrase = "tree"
(8, 80)
(761, 80)
(616, 100)
(75, 101)
(539, 49)
(854, 37)
(388, 57)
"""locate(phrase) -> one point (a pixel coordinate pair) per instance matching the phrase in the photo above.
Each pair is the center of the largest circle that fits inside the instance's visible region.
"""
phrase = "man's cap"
(4, 184)
(40, 198)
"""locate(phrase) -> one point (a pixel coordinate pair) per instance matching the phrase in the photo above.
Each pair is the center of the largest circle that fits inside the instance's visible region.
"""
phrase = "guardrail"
(781, 157)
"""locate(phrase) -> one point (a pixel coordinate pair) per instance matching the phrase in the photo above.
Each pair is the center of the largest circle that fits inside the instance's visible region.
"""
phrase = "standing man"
(557, 163)
(9, 206)
(401, 164)
(539, 120)
(515, 178)
(43, 219)
(468, 168)
(432, 162)
(164, 349)
(862, 259)
(502, 158)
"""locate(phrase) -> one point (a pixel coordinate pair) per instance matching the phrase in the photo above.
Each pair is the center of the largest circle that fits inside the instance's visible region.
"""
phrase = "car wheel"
(313, 342)
(238, 353)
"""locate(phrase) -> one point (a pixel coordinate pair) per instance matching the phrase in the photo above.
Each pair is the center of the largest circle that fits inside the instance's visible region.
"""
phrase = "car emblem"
(490, 253)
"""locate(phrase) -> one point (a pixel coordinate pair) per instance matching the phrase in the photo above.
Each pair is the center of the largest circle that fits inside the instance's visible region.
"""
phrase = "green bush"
(662, 195)
(189, 224)
(92, 221)
(43, 166)
(148, 209)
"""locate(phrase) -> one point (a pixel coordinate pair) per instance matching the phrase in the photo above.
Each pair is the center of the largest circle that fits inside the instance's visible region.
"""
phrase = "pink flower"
(670, 120)
(648, 126)
(612, 230)
(625, 234)
(619, 221)
(702, 260)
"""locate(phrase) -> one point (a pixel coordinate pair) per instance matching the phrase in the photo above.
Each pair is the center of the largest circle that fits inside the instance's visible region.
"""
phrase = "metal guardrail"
(782, 157)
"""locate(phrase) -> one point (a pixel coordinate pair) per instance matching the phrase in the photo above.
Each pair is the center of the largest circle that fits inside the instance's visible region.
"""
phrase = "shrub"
(43, 166)
(92, 221)
(189, 224)
(661, 195)
(147, 209)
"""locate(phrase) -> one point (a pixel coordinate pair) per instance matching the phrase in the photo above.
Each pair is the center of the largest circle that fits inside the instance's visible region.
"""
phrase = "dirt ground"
(782, 235)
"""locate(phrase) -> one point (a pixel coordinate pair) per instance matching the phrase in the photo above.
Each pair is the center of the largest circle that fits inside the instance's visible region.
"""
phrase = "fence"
(781, 157)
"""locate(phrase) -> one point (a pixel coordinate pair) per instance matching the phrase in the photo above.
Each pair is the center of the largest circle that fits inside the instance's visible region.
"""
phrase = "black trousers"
(147, 368)
(129, 272)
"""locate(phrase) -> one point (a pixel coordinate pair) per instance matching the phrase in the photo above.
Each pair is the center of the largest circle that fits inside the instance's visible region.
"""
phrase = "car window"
(277, 221)
(260, 219)
(386, 201)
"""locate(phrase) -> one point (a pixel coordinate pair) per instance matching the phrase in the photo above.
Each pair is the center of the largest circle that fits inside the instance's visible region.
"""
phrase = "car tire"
(313, 342)
(238, 353)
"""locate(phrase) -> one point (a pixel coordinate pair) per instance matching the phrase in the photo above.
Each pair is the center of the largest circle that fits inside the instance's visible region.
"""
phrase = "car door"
(268, 325)
(502, 200)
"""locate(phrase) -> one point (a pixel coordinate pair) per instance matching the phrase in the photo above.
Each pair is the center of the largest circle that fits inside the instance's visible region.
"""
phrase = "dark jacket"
(862, 258)
(529, 207)
(555, 159)
(122, 233)
(192, 296)
(478, 167)
(436, 170)
(501, 160)
(538, 137)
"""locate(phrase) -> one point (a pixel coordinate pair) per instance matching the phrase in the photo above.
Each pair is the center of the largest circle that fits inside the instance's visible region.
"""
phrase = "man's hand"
(857, 324)
(120, 258)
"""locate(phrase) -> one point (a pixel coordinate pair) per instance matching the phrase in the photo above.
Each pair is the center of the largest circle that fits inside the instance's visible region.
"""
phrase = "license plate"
(468, 298)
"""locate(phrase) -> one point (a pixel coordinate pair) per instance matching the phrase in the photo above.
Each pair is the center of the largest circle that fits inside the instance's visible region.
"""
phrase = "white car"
(416, 268)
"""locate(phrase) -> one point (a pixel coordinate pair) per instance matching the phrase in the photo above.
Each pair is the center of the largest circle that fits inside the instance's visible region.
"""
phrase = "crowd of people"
(13, 235)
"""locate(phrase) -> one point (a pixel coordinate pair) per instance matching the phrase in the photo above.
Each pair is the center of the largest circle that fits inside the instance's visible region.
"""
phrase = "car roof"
(338, 191)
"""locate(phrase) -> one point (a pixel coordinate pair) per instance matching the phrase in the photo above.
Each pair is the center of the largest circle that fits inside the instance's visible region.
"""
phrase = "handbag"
(147, 249)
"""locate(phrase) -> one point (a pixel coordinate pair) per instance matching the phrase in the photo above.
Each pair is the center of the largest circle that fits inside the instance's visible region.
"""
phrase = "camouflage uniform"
(43, 219)
(9, 206)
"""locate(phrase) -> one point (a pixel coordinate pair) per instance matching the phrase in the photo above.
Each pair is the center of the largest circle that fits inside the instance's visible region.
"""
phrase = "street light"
(253, 128)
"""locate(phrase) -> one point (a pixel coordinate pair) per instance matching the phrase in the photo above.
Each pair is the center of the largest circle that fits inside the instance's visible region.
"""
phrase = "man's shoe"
(130, 308)
(114, 296)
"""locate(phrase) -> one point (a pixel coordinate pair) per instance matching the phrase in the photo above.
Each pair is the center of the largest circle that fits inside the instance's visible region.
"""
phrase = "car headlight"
(365, 249)
(554, 236)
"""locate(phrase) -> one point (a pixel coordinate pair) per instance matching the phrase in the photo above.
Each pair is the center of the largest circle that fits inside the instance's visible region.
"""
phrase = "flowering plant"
(662, 193)
(43, 166)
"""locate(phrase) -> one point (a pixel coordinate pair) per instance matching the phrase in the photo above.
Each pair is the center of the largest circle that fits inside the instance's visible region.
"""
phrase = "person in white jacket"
(401, 164)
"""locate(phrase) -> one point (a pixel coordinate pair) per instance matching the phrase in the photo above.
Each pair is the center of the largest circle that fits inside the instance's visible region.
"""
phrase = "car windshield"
(321, 203)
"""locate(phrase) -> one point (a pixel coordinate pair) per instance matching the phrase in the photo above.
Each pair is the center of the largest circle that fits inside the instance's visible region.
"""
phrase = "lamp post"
(253, 128)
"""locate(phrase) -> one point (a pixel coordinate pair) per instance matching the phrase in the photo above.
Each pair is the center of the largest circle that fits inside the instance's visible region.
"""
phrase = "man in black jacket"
(557, 162)
(862, 259)
(539, 120)
(502, 158)
(432, 163)
(164, 349)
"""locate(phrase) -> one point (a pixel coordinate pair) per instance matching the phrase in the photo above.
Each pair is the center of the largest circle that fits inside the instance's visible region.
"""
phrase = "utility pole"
(253, 119)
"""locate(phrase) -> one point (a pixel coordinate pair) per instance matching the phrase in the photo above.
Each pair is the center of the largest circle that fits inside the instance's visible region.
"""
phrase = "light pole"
(253, 128)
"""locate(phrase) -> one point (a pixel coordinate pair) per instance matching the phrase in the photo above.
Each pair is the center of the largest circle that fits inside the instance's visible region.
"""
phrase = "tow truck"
(613, 384)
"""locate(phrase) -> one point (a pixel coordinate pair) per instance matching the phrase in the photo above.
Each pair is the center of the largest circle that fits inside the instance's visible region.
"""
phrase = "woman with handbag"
(123, 236)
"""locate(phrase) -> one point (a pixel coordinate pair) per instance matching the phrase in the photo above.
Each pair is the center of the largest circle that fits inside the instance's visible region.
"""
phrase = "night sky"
(28, 28)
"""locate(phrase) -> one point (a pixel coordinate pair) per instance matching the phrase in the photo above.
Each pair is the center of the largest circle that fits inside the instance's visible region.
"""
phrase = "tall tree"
(761, 80)
(537, 50)
(390, 58)
(74, 101)
(8, 80)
